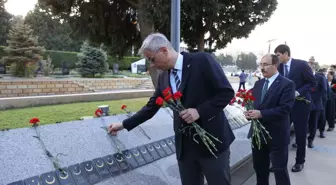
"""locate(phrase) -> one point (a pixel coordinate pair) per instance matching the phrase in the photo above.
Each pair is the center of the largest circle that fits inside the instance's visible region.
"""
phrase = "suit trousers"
(300, 120)
(312, 125)
(323, 118)
(193, 168)
(278, 155)
(330, 113)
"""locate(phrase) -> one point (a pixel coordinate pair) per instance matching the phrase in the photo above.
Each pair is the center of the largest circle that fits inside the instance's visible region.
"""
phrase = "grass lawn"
(18, 118)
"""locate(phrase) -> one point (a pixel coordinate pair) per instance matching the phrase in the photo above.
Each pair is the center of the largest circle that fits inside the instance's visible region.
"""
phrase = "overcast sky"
(308, 26)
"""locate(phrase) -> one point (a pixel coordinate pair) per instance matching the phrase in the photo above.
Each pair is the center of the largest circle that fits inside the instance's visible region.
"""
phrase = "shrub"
(91, 61)
(58, 57)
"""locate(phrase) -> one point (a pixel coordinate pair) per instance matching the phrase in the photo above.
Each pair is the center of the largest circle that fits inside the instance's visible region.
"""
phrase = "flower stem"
(114, 140)
(46, 151)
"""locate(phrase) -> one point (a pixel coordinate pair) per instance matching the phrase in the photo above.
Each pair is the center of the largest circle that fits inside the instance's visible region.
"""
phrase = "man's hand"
(247, 116)
(254, 114)
(297, 94)
(189, 115)
(114, 128)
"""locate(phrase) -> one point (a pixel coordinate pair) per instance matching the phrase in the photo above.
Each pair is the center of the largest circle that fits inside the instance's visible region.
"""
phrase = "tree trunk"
(201, 42)
(146, 24)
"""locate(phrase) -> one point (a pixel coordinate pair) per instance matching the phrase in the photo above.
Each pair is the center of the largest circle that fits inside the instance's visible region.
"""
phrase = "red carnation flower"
(159, 101)
(34, 121)
(123, 107)
(242, 90)
(177, 95)
(98, 112)
(168, 97)
(249, 93)
(232, 101)
(313, 89)
(166, 91)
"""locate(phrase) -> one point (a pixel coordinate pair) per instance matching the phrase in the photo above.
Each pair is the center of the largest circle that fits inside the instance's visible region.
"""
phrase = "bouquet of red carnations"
(173, 101)
(259, 132)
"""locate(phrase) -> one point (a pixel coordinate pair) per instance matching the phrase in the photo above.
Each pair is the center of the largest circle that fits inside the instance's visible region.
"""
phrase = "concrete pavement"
(320, 164)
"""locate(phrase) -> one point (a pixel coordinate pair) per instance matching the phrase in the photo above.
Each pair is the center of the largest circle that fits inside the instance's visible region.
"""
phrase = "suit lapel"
(292, 69)
(186, 70)
(257, 92)
(271, 90)
(280, 69)
(166, 80)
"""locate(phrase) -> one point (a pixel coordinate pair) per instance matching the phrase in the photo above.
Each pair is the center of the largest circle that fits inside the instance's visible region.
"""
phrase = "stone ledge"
(85, 140)
(30, 101)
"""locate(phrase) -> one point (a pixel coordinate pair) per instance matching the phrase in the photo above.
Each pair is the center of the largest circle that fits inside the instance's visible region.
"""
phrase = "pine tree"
(91, 61)
(22, 50)
(4, 22)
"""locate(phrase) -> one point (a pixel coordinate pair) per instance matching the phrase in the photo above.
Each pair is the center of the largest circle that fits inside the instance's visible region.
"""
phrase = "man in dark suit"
(317, 93)
(323, 115)
(275, 96)
(206, 91)
(330, 111)
(332, 82)
(301, 74)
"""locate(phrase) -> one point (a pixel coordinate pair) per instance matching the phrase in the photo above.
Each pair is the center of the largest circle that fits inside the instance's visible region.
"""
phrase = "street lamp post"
(175, 24)
(269, 45)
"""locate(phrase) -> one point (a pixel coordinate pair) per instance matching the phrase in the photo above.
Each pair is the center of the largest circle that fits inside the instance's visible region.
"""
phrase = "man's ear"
(164, 49)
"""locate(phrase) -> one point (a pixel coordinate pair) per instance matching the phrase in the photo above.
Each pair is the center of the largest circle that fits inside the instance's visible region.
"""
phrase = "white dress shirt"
(271, 80)
(288, 64)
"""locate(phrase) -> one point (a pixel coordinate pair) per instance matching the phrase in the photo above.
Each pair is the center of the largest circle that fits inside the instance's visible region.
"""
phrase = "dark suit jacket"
(205, 87)
(325, 96)
(276, 108)
(302, 75)
(331, 94)
(333, 81)
(318, 93)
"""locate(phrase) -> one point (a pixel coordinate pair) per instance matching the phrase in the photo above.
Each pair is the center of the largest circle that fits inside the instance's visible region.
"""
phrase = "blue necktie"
(264, 90)
(177, 79)
(286, 71)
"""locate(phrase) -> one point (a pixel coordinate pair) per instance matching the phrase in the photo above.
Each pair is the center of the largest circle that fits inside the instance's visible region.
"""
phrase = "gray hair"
(154, 42)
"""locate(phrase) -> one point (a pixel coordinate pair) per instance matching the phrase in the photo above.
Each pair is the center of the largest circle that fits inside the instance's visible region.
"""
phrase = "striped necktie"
(264, 90)
(177, 79)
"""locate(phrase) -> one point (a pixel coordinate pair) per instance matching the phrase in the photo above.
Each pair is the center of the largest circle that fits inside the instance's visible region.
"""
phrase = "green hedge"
(58, 57)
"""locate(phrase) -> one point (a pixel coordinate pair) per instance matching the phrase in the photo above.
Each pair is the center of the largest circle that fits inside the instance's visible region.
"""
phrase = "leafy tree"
(23, 49)
(222, 20)
(225, 60)
(121, 24)
(52, 33)
(91, 61)
(247, 61)
(4, 22)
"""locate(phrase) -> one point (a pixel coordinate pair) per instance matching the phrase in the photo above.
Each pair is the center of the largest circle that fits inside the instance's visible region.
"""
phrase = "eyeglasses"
(264, 64)
(152, 59)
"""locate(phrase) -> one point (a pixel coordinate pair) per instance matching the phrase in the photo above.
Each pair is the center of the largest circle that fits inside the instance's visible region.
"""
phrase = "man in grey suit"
(206, 91)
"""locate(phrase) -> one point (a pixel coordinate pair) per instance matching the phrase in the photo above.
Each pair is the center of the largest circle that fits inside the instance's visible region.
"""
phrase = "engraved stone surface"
(22, 157)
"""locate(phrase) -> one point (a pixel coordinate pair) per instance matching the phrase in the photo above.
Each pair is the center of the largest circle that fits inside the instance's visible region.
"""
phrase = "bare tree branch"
(134, 3)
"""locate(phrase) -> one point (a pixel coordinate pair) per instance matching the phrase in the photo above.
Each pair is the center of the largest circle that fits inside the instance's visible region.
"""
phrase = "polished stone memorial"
(90, 155)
